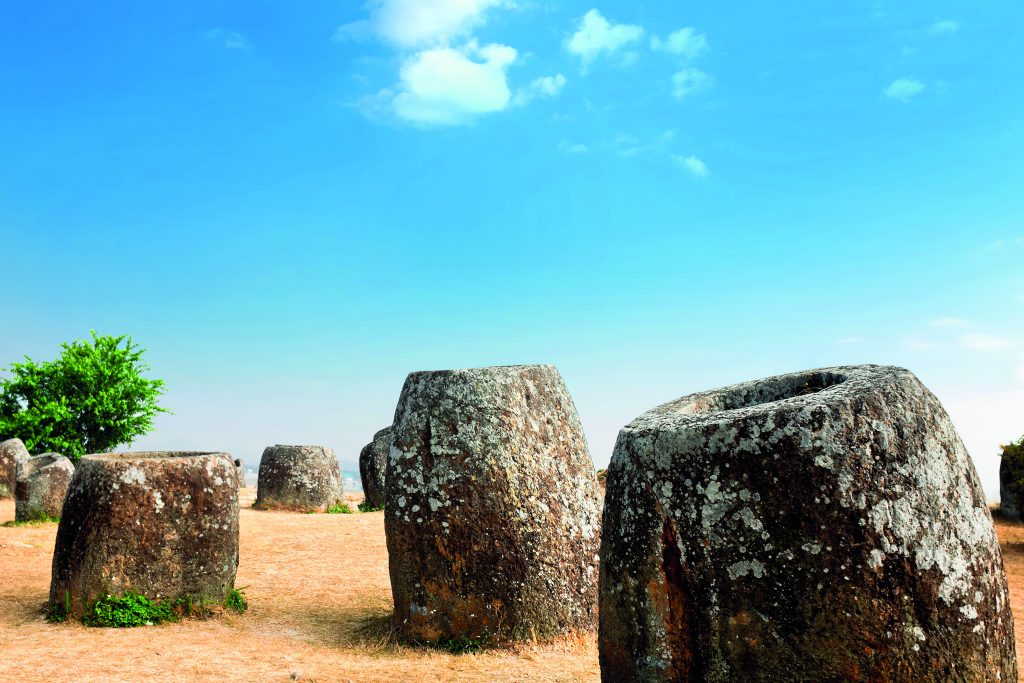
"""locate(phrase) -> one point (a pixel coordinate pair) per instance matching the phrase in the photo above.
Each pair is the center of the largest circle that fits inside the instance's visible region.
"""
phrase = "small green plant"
(463, 645)
(130, 609)
(58, 614)
(339, 509)
(366, 507)
(43, 519)
(236, 600)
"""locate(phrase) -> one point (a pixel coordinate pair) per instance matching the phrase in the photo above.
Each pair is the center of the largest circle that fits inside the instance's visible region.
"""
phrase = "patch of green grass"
(236, 600)
(463, 645)
(58, 614)
(44, 519)
(339, 509)
(366, 507)
(130, 609)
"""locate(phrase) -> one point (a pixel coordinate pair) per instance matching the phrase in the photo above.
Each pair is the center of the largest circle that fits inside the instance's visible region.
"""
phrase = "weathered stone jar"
(373, 467)
(303, 478)
(163, 524)
(42, 486)
(12, 451)
(491, 509)
(825, 525)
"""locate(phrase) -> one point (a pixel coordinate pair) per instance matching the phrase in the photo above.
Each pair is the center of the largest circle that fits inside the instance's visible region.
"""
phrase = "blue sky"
(293, 207)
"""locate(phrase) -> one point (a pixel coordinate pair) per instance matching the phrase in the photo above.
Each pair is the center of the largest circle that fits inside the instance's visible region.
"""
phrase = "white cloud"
(980, 341)
(690, 81)
(232, 40)
(943, 27)
(418, 23)
(685, 42)
(902, 89)
(597, 35)
(445, 86)
(695, 166)
(572, 148)
(546, 86)
(950, 321)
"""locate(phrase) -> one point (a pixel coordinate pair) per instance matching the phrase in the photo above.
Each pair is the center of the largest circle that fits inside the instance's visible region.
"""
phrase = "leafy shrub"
(1013, 466)
(366, 507)
(339, 509)
(42, 519)
(130, 609)
(89, 400)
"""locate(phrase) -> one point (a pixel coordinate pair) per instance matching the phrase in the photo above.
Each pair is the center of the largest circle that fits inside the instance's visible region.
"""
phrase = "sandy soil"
(319, 600)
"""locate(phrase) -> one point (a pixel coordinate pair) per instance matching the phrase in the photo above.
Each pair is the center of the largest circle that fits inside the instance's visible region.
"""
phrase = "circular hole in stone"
(759, 393)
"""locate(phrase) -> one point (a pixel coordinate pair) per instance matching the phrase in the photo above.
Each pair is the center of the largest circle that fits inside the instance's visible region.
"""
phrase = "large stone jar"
(43, 483)
(373, 467)
(12, 452)
(303, 478)
(819, 526)
(491, 508)
(163, 524)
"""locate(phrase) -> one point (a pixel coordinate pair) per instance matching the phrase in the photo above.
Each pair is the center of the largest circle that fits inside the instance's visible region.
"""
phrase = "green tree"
(89, 400)
(1012, 468)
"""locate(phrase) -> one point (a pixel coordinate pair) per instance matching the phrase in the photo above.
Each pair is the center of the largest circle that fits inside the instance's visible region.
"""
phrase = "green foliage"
(463, 645)
(58, 614)
(44, 519)
(130, 609)
(89, 400)
(339, 509)
(236, 600)
(1013, 462)
(366, 507)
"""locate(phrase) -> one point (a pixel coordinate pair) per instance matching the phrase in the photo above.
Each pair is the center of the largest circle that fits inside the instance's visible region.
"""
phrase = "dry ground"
(318, 591)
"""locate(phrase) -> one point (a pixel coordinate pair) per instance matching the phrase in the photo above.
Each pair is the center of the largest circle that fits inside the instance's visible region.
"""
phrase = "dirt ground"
(319, 599)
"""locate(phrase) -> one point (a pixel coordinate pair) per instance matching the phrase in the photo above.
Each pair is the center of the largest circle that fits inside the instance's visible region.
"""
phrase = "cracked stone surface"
(492, 516)
(822, 525)
(299, 478)
(373, 467)
(12, 451)
(164, 524)
(42, 485)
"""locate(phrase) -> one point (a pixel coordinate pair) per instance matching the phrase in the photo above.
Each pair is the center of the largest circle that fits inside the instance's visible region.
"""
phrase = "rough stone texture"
(162, 524)
(299, 478)
(373, 467)
(1009, 500)
(12, 451)
(42, 486)
(825, 525)
(491, 517)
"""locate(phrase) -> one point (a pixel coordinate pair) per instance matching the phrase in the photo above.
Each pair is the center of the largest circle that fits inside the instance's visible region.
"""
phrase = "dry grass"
(319, 599)
(319, 602)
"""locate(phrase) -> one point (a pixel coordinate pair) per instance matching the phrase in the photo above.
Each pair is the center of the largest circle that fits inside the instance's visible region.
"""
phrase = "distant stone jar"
(825, 525)
(163, 524)
(42, 486)
(373, 467)
(303, 478)
(492, 517)
(12, 451)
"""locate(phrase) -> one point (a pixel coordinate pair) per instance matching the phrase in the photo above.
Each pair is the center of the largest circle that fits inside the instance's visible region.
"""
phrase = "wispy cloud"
(904, 89)
(980, 341)
(596, 36)
(685, 42)
(695, 166)
(416, 23)
(950, 321)
(689, 81)
(545, 86)
(233, 40)
(943, 27)
(572, 148)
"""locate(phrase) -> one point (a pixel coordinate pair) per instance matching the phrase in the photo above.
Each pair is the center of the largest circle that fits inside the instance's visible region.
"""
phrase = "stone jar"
(163, 524)
(491, 514)
(824, 525)
(43, 483)
(303, 478)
